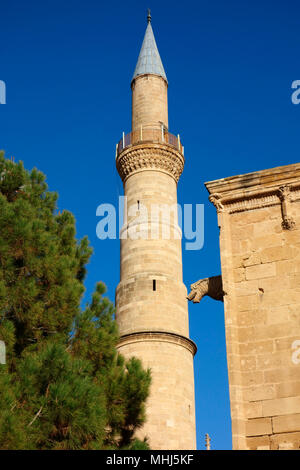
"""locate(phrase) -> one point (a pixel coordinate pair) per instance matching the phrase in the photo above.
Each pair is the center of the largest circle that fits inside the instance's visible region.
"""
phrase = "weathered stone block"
(286, 423)
(256, 443)
(258, 427)
(260, 392)
(261, 271)
(281, 406)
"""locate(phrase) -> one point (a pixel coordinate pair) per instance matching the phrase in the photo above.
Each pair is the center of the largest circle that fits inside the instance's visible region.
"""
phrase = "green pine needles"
(64, 386)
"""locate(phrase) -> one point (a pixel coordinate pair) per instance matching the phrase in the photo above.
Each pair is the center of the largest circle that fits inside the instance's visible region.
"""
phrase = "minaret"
(151, 305)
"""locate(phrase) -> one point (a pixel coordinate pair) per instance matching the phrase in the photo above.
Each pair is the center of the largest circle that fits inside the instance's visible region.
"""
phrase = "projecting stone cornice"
(278, 176)
(264, 188)
(150, 156)
(161, 336)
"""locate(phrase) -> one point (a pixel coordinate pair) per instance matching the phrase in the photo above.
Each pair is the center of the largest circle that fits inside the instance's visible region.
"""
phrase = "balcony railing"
(161, 136)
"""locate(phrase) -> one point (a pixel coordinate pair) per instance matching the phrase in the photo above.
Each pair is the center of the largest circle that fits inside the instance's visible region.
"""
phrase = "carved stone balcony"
(149, 135)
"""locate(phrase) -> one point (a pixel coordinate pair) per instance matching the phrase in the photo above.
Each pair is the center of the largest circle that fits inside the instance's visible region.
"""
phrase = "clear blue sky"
(68, 65)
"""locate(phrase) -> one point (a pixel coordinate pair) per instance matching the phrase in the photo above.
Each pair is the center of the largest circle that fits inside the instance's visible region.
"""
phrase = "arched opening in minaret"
(154, 284)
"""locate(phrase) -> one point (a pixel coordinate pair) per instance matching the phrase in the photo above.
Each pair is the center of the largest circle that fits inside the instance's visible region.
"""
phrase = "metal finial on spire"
(149, 16)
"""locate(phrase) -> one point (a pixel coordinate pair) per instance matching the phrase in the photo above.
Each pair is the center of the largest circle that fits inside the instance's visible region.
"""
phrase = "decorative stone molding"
(161, 336)
(258, 198)
(255, 201)
(149, 156)
(257, 190)
(284, 193)
(216, 200)
(211, 286)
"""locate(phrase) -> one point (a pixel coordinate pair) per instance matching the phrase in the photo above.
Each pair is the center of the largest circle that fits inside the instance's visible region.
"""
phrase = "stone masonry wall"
(259, 219)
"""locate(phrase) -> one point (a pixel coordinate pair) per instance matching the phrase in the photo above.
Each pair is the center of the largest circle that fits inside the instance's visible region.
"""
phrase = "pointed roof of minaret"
(149, 60)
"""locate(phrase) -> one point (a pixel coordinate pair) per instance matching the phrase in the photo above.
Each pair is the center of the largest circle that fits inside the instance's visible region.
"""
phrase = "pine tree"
(64, 385)
(126, 384)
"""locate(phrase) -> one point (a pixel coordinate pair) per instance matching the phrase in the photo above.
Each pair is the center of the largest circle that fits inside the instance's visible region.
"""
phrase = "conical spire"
(149, 60)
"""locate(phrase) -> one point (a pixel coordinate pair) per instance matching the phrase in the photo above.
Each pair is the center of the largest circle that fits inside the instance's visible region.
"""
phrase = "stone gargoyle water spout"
(211, 286)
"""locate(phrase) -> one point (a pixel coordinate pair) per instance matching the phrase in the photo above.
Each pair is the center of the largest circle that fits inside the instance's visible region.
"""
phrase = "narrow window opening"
(154, 284)
(138, 204)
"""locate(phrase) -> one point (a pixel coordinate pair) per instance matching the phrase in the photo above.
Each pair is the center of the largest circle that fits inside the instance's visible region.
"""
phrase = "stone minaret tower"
(151, 301)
